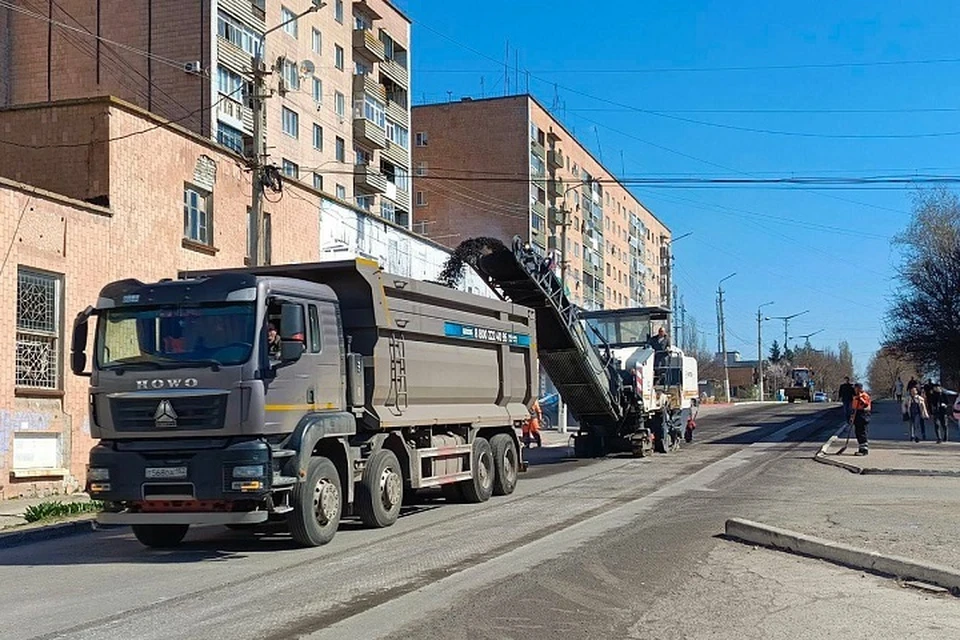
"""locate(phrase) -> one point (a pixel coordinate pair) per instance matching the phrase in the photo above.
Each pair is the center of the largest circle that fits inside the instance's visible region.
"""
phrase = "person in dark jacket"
(846, 393)
(659, 342)
(913, 383)
(938, 411)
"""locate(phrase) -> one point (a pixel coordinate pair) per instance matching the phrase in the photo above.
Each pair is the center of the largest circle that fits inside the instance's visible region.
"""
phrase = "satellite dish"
(307, 68)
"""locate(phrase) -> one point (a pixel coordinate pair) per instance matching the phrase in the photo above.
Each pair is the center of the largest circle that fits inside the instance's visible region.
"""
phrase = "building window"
(362, 156)
(318, 91)
(317, 137)
(388, 210)
(291, 169)
(341, 150)
(290, 19)
(340, 104)
(421, 199)
(291, 75)
(365, 202)
(196, 215)
(229, 137)
(421, 169)
(38, 329)
(229, 84)
(371, 109)
(398, 134)
(341, 192)
(338, 57)
(265, 242)
(421, 139)
(338, 11)
(318, 182)
(316, 41)
(291, 122)
(232, 31)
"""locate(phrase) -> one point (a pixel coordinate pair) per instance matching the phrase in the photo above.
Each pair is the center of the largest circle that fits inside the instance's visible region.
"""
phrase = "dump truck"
(801, 385)
(626, 395)
(299, 394)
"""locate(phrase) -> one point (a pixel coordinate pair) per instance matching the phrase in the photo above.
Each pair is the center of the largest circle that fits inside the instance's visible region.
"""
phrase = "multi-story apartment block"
(503, 167)
(339, 115)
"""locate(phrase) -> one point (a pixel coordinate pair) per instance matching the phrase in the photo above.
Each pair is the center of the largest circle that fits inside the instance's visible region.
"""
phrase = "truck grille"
(139, 414)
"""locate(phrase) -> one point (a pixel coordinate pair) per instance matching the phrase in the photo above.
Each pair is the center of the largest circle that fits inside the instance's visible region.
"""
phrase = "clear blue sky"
(815, 257)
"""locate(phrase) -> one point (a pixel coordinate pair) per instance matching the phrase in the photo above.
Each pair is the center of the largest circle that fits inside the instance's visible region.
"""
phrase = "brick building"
(339, 118)
(96, 190)
(502, 167)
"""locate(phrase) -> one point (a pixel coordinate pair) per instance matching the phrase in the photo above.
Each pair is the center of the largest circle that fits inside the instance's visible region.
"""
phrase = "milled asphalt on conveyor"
(225, 585)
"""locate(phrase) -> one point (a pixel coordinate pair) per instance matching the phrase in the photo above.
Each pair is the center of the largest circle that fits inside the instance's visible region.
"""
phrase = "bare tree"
(885, 367)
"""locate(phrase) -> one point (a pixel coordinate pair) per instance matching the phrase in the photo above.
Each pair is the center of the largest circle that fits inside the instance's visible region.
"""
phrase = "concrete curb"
(28, 535)
(872, 561)
(824, 458)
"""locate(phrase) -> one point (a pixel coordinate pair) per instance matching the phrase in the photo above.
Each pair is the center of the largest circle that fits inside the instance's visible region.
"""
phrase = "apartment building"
(502, 167)
(338, 118)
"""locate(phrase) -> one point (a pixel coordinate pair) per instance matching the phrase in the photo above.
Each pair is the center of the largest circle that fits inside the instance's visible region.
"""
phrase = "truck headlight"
(98, 474)
(248, 471)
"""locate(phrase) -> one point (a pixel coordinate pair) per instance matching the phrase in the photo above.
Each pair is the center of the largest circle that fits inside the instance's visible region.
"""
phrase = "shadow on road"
(764, 429)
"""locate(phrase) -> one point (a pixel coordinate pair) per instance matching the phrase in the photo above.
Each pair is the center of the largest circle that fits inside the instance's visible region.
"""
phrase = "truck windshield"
(174, 336)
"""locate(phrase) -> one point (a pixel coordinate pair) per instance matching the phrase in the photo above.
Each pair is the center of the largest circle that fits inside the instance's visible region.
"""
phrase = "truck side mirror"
(292, 332)
(78, 343)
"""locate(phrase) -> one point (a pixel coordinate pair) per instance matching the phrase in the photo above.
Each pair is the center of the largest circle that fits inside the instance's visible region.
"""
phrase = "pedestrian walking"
(938, 411)
(862, 408)
(913, 383)
(846, 393)
(915, 408)
(898, 391)
(531, 428)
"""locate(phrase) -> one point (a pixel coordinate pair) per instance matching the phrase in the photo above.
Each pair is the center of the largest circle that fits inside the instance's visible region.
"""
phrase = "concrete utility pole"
(760, 347)
(723, 337)
(786, 326)
(258, 161)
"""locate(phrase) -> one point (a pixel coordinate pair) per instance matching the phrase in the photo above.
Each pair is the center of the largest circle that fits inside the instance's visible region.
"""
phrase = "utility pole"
(676, 317)
(723, 338)
(563, 219)
(760, 347)
(683, 325)
(786, 326)
(258, 161)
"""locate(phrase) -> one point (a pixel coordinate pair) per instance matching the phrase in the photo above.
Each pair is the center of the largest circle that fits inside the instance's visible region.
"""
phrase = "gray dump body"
(432, 355)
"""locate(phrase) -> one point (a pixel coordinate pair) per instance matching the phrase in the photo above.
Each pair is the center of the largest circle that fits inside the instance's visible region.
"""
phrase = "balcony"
(396, 154)
(397, 113)
(235, 114)
(369, 179)
(536, 147)
(555, 159)
(367, 83)
(393, 70)
(538, 208)
(368, 44)
(366, 132)
(555, 189)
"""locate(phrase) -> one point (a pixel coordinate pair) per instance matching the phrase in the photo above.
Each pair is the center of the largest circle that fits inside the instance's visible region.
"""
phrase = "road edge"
(30, 534)
(823, 457)
(768, 536)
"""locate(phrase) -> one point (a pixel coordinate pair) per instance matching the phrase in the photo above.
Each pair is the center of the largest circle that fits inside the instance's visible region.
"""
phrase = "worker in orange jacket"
(531, 427)
(862, 406)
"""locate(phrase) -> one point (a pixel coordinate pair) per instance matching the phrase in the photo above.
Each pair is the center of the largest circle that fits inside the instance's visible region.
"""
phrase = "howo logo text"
(167, 383)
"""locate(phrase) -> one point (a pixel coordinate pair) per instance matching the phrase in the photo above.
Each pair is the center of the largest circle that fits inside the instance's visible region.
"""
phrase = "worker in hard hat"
(531, 426)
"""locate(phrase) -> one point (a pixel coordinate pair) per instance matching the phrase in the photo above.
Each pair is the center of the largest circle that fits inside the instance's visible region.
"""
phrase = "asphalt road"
(583, 549)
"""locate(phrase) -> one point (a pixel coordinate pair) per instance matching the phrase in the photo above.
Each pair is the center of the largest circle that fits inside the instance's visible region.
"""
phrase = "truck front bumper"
(186, 517)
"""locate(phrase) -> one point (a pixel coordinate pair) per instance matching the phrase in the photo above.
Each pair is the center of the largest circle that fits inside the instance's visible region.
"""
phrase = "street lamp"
(807, 336)
(723, 337)
(760, 345)
(786, 323)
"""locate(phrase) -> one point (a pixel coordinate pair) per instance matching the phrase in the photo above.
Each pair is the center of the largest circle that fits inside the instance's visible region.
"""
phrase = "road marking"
(394, 615)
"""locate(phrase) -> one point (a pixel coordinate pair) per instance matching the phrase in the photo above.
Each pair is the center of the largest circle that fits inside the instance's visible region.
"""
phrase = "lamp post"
(760, 346)
(723, 337)
(786, 324)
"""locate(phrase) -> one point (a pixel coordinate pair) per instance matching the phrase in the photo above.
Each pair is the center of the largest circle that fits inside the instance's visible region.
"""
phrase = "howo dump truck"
(298, 393)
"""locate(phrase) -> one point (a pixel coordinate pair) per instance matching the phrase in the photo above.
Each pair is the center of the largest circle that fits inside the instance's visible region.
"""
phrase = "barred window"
(38, 330)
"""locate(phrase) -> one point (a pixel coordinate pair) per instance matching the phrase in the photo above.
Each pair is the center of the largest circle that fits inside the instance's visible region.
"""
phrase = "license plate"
(155, 473)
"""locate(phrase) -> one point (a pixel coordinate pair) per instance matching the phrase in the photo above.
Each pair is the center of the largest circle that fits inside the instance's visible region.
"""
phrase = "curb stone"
(843, 554)
(824, 458)
(28, 535)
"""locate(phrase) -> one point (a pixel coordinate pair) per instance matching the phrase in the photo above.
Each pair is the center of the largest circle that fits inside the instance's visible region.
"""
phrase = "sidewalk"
(11, 511)
(891, 453)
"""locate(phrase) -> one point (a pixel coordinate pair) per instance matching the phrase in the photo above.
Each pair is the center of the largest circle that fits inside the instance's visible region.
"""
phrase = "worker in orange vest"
(531, 427)
(862, 407)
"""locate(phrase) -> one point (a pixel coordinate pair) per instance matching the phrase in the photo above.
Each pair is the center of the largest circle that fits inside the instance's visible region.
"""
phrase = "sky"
(741, 89)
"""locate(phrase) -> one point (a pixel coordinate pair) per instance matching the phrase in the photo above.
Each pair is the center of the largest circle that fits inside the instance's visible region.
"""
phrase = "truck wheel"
(480, 487)
(317, 504)
(505, 464)
(380, 492)
(160, 536)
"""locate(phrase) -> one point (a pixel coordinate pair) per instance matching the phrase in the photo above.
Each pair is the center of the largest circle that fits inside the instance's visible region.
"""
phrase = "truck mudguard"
(313, 428)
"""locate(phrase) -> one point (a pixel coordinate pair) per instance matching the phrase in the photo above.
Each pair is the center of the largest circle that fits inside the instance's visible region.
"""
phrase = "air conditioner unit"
(193, 67)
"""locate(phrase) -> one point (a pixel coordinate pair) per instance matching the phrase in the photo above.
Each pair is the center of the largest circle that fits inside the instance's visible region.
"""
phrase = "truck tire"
(317, 504)
(380, 492)
(160, 536)
(479, 488)
(506, 464)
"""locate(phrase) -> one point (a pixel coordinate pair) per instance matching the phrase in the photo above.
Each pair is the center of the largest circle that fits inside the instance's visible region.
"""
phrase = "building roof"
(529, 96)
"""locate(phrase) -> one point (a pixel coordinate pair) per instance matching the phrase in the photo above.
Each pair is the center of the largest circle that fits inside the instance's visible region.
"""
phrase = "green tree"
(775, 354)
